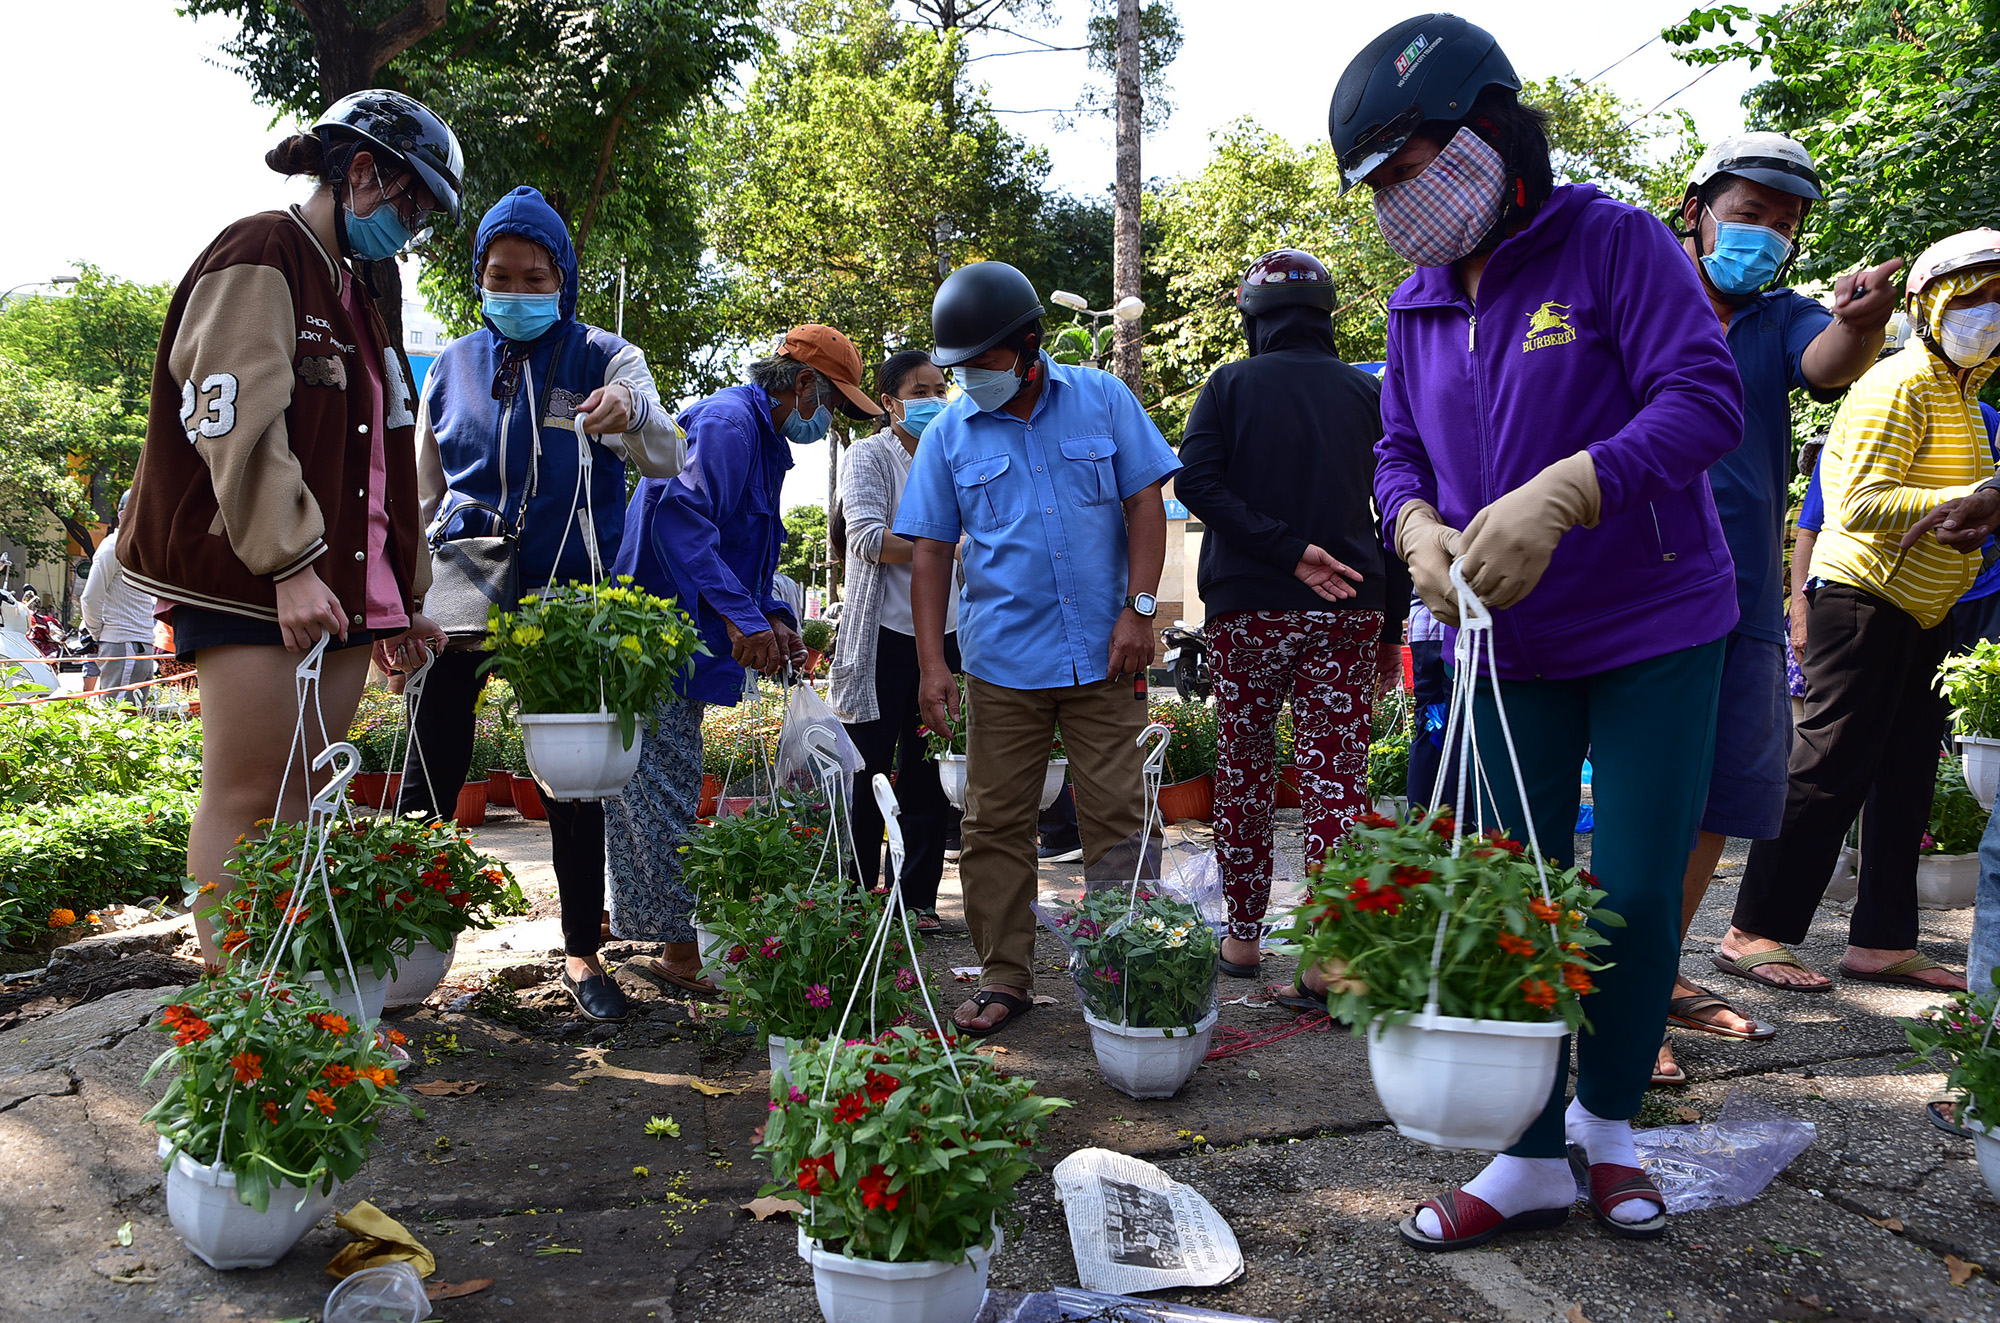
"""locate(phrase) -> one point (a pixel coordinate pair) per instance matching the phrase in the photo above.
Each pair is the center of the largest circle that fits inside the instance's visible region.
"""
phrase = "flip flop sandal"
(1297, 998)
(1016, 1008)
(1468, 1221)
(653, 969)
(1899, 975)
(1743, 966)
(1611, 1185)
(1679, 1076)
(1234, 970)
(1682, 1011)
(1945, 1098)
(929, 924)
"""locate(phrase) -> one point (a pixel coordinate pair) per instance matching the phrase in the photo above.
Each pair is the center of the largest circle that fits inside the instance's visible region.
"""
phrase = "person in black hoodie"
(1303, 602)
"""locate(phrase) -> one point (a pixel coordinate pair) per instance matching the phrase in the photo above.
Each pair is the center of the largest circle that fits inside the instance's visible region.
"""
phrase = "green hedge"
(91, 852)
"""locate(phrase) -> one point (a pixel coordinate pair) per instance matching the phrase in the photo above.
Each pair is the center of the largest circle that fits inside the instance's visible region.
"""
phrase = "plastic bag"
(390, 1294)
(1725, 1162)
(1069, 1302)
(812, 737)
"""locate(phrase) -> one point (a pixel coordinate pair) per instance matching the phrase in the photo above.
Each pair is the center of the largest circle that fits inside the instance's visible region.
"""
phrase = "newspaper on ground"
(1134, 1228)
(1079, 1306)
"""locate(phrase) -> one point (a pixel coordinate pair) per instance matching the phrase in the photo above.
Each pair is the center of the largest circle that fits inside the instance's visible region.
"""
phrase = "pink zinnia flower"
(770, 947)
(905, 980)
(797, 1096)
(818, 997)
(1109, 975)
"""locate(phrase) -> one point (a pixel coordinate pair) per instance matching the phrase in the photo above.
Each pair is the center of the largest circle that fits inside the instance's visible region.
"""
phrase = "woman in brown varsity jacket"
(276, 496)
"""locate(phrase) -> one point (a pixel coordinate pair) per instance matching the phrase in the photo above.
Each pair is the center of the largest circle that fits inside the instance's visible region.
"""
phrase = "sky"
(147, 145)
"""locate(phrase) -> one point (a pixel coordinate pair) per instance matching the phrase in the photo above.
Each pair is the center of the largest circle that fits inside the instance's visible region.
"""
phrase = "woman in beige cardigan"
(874, 680)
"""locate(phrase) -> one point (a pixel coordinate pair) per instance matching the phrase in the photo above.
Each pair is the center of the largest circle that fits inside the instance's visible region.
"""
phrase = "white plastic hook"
(892, 812)
(346, 759)
(1156, 757)
(309, 669)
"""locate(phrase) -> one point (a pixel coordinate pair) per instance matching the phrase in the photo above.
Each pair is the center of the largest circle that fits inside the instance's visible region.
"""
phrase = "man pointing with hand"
(1052, 475)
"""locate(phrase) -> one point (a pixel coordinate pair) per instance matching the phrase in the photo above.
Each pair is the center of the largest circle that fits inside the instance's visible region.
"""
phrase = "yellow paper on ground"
(378, 1240)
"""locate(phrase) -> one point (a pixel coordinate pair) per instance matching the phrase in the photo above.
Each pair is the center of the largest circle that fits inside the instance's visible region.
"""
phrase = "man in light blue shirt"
(1052, 476)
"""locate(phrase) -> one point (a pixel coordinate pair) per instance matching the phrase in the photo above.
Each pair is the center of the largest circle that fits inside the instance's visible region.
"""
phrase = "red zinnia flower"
(192, 1030)
(1544, 911)
(813, 1170)
(875, 1190)
(1409, 875)
(851, 1108)
(1376, 820)
(881, 1086)
(270, 1111)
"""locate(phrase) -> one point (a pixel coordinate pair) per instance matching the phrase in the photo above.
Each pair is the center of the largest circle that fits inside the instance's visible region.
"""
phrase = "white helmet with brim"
(1770, 159)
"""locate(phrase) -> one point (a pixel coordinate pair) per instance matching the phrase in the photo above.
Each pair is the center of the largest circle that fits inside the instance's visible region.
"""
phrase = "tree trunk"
(1125, 239)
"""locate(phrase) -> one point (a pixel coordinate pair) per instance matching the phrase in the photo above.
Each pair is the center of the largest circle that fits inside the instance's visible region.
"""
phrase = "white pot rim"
(1981, 741)
(1201, 1026)
(568, 718)
(952, 757)
(1461, 1024)
(840, 1260)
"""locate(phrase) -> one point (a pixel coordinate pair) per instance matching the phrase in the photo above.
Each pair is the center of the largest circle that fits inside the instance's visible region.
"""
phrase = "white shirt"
(895, 613)
(114, 609)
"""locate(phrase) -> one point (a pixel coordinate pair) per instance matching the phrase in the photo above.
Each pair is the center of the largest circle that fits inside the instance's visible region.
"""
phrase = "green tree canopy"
(46, 423)
(805, 543)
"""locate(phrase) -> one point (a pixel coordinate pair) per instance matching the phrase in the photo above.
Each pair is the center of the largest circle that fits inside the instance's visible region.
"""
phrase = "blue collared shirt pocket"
(988, 499)
(1092, 475)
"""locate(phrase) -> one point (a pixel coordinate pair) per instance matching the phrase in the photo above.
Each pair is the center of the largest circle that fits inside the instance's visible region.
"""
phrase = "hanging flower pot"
(1052, 780)
(361, 1003)
(1149, 1063)
(528, 799)
(1947, 881)
(579, 755)
(1845, 884)
(1460, 1083)
(471, 808)
(1981, 757)
(499, 787)
(951, 775)
(1985, 1147)
(225, 1232)
(854, 1290)
(418, 973)
(1192, 800)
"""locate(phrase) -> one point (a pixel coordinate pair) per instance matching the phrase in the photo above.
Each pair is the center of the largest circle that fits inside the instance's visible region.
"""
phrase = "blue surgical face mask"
(521, 317)
(990, 388)
(380, 234)
(803, 429)
(1746, 257)
(918, 414)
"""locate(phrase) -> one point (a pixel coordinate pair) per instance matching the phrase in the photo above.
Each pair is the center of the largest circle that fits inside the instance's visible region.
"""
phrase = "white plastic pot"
(1947, 881)
(1845, 884)
(1149, 1063)
(579, 755)
(1052, 780)
(1392, 806)
(361, 1004)
(1981, 757)
(707, 944)
(951, 775)
(865, 1291)
(224, 1232)
(1461, 1083)
(1985, 1147)
(780, 1048)
(417, 975)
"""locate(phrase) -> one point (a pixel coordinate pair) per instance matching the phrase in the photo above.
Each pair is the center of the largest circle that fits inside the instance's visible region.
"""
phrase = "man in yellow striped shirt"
(1907, 440)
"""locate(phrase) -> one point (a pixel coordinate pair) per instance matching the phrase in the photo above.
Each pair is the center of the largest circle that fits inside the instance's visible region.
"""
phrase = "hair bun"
(299, 154)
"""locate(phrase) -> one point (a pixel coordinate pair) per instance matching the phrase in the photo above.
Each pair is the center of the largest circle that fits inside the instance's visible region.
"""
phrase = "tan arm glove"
(1429, 545)
(1507, 545)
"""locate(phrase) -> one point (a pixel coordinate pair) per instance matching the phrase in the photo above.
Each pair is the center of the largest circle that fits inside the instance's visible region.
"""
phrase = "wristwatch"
(1144, 604)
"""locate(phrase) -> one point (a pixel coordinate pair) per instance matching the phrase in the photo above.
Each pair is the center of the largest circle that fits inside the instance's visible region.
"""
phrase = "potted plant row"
(1948, 858)
(272, 1101)
(1462, 1040)
(1958, 1036)
(588, 663)
(1189, 792)
(905, 1148)
(1144, 965)
(1971, 680)
(403, 889)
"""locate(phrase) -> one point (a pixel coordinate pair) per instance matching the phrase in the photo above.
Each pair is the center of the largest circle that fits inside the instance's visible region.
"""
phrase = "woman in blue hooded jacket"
(1557, 388)
(505, 414)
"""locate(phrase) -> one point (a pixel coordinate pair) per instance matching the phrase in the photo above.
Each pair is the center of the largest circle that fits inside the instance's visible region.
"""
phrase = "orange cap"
(832, 355)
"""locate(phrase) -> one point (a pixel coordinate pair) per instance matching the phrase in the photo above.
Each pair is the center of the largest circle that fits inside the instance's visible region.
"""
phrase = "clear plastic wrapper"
(1076, 1305)
(1725, 1162)
(393, 1293)
(812, 739)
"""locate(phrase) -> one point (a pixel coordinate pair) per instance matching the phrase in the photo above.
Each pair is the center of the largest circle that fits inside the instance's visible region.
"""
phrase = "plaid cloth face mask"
(1442, 214)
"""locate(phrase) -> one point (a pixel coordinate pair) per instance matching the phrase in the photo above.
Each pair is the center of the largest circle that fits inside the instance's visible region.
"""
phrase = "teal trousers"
(1649, 731)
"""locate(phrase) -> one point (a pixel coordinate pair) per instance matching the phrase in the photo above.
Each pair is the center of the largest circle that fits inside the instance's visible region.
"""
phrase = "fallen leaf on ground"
(125, 1234)
(996, 1049)
(600, 1069)
(708, 1090)
(1575, 1315)
(1888, 1223)
(771, 1206)
(453, 1290)
(1961, 1271)
(555, 1249)
(447, 1088)
(965, 973)
(1043, 999)
(1687, 1114)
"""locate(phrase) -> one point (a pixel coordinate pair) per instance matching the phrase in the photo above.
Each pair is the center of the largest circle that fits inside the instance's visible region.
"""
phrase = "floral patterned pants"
(646, 826)
(1324, 661)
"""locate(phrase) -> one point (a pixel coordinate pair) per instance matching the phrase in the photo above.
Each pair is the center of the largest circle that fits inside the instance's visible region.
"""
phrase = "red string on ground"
(1230, 1042)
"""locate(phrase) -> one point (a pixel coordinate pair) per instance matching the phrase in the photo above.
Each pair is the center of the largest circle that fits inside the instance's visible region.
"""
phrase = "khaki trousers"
(1009, 732)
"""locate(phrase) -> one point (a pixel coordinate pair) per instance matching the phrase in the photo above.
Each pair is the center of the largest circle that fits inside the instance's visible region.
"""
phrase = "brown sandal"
(655, 970)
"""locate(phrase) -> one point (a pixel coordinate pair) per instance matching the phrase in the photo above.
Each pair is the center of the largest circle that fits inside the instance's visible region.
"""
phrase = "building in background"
(423, 334)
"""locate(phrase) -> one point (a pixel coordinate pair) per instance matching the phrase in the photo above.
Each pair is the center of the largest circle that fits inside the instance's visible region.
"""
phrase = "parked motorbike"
(1186, 660)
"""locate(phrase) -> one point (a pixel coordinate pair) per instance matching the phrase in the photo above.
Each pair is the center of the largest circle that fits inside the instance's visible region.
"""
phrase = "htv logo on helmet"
(1411, 54)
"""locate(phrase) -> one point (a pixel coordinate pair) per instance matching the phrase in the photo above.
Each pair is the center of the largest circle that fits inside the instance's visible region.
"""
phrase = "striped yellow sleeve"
(1877, 436)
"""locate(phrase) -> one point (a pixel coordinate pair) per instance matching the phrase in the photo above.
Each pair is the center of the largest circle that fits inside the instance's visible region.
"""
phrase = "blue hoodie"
(487, 445)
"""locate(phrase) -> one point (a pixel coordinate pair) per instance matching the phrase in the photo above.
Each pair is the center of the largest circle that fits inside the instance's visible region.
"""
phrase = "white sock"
(1608, 1141)
(1513, 1186)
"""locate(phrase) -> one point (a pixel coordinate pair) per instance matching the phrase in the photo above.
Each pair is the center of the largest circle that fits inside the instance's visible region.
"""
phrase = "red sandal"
(1469, 1221)
(1611, 1185)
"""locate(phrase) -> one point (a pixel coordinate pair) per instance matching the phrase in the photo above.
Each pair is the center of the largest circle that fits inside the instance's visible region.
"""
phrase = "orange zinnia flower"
(1544, 911)
(321, 1101)
(61, 918)
(249, 1067)
(329, 1021)
(337, 1075)
(1513, 945)
(397, 1037)
(1538, 992)
(1578, 979)
(270, 1111)
(233, 939)
(380, 1077)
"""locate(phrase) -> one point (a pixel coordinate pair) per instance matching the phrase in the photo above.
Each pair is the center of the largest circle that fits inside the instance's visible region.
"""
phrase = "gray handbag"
(469, 575)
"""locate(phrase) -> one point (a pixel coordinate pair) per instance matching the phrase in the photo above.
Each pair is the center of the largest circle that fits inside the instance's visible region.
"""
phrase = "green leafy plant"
(591, 647)
(817, 633)
(395, 882)
(53, 753)
(1957, 821)
(270, 1082)
(1141, 959)
(727, 861)
(1956, 1037)
(736, 741)
(1971, 680)
(900, 1159)
(1369, 921)
(92, 852)
(793, 954)
(1191, 742)
(1389, 764)
(938, 743)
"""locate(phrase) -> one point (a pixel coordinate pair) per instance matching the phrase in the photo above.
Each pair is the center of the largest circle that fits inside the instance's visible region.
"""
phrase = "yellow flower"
(630, 643)
(526, 636)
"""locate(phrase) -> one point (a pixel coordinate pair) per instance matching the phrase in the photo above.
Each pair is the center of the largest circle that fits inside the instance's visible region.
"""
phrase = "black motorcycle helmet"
(977, 307)
(1284, 276)
(1428, 68)
(402, 128)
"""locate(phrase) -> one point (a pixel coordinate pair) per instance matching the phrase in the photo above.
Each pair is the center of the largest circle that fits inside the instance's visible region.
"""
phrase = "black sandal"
(1300, 998)
(1016, 1008)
